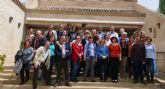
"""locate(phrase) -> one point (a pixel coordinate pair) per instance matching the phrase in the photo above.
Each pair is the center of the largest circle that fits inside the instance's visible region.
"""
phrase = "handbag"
(18, 66)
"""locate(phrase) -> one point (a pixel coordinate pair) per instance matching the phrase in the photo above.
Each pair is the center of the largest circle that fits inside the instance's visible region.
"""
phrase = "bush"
(2, 59)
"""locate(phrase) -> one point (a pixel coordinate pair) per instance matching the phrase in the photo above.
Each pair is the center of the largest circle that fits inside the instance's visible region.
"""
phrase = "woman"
(49, 35)
(28, 54)
(102, 57)
(41, 61)
(115, 56)
(90, 58)
(52, 58)
(151, 67)
(124, 56)
(77, 52)
(129, 60)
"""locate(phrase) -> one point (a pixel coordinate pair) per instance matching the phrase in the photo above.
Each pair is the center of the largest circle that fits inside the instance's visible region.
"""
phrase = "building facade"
(16, 17)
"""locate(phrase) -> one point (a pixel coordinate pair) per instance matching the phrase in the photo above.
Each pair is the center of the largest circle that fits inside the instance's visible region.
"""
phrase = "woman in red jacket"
(115, 56)
(77, 52)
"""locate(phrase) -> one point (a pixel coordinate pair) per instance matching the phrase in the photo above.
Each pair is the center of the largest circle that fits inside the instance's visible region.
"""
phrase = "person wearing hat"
(123, 36)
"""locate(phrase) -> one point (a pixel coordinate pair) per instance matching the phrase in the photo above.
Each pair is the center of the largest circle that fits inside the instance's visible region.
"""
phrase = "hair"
(140, 26)
(84, 24)
(90, 37)
(62, 36)
(26, 41)
(77, 36)
(148, 38)
(102, 41)
(115, 39)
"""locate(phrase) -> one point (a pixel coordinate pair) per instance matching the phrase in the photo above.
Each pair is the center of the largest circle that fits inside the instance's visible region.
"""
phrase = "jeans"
(75, 67)
(90, 62)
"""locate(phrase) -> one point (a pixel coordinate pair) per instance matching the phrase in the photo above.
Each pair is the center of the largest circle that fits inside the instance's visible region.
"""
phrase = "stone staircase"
(8, 80)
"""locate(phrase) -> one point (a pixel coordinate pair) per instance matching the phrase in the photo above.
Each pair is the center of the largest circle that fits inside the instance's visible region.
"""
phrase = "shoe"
(113, 81)
(93, 80)
(67, 84)
(116, 81)
(22, 83)
(135, 81)
(57, 84)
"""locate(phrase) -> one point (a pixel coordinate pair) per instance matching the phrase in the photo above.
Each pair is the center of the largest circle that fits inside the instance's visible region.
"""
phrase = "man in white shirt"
(113, 33)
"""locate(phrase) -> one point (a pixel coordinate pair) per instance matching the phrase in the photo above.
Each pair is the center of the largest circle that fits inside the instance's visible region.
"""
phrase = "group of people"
(96, 54)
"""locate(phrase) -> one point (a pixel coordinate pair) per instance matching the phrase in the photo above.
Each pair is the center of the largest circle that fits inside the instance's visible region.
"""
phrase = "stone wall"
(10, 33)
(152, 21)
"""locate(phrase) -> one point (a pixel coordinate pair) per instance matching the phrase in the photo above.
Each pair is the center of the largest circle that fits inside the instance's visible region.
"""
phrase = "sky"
(150, 4)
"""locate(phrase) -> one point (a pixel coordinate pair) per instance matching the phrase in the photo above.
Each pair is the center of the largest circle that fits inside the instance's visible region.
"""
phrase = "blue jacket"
(102, 51)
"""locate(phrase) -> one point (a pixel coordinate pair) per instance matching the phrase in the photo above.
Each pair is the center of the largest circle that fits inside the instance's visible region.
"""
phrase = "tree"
(162, 6)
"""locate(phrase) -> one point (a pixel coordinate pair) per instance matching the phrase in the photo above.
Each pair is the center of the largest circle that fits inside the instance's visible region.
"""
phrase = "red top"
(115, 50)
(76, 50)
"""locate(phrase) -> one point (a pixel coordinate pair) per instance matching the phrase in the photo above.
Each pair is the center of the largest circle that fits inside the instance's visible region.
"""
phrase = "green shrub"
(2, 59)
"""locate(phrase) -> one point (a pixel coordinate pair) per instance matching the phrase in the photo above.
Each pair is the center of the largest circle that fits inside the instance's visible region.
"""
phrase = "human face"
(78, 39)
(63, 39)
(112, 29)
(114, 40)
(86, 35)
(148, 40)
(47, 44)
(91, 40)
(52, 39)
(27, 44)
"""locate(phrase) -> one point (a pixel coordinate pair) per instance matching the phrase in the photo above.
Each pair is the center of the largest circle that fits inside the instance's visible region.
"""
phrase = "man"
(51, 29)
(63, 53)
(139, 33)
(138, 56)
(60, 31)
(38, 40)
(41, 61)
(113, 33)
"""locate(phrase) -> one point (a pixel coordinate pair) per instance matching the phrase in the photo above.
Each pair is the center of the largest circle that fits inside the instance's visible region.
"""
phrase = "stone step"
(78, 87)
(6, 75)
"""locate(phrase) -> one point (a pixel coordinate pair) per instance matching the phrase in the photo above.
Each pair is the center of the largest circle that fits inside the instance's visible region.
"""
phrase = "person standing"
(115, 57)
(52, 58)
(41, 61)
(90, 58)
(124, 56)
(77, 52)
(50, 29)
(151, 67)
(28, 54)
(30, 34)
(113, 33)
(38, 40)
(138, 56)
(63, 53)
(102, 57)
(129, 60)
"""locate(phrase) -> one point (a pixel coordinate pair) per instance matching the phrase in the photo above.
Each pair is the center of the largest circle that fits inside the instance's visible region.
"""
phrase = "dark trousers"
(45, 72)
(62, 63)
(138, 69)
(23, 71)
(103, 68)
(129, 68)
(149, 69)
(114, 61)
(74, 70)
(52, 63)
